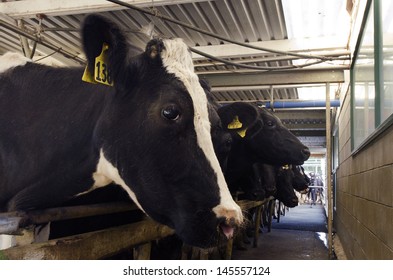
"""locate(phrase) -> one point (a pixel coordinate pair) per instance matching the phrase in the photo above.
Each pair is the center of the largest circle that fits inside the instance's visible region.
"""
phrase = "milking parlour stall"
(196, 139)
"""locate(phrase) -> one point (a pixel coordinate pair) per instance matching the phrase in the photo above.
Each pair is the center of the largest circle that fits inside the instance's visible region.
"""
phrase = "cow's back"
(47, 120)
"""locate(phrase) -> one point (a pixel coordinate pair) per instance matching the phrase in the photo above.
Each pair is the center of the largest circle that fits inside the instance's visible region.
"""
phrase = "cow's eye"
(171, 113)
(269, 123)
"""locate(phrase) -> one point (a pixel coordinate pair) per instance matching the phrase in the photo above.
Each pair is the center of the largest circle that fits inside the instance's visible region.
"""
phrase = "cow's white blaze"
(10, 60)
(106, 173)
(177, 60)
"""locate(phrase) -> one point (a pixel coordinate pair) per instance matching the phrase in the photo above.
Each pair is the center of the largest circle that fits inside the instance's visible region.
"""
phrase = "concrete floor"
(300, 235)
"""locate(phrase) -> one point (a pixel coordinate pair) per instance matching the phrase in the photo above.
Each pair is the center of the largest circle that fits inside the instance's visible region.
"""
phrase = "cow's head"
(155, 135)
(245, 114)
(271, 142)
(285, 192)
(300, 179)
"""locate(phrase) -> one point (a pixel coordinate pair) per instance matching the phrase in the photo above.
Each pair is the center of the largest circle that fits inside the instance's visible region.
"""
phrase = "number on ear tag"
(235, 124)
(102, 73)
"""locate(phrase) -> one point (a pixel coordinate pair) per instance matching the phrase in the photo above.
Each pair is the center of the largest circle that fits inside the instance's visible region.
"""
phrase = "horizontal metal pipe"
(299, 104)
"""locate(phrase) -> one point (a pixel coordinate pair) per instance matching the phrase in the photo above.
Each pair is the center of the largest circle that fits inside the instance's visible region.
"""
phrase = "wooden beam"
(92, 245)
(11, 222)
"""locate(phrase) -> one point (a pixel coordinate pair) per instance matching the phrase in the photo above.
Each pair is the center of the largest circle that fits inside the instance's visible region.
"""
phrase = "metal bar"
(263, 59)
(42, 42)
(301, 104)
(319, 67)
(276, 78)
(9, 225)
(23, 40)
(329, 172)
(378, 62)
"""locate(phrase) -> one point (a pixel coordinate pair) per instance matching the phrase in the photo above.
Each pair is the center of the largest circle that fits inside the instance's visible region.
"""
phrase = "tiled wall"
(363, 217)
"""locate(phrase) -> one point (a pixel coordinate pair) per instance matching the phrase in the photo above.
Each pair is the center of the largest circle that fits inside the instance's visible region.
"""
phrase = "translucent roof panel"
(316, 92)
(311, 18)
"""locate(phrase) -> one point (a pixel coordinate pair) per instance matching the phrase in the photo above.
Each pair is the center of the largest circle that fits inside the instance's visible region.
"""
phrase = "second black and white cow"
(150, 134)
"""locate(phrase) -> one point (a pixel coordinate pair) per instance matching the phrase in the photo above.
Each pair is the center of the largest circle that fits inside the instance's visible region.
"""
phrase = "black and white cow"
(150, 134)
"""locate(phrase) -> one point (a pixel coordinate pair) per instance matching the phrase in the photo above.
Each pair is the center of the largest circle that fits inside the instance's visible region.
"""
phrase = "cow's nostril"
(231, 222)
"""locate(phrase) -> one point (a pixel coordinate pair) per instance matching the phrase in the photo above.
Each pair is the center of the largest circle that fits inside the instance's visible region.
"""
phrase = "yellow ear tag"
(242, 133)
(235, 124)
(88, 76)
(102, 73)
(285, 167)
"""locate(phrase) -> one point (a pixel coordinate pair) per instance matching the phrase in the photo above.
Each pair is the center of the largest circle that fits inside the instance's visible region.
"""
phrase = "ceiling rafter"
(31, 8)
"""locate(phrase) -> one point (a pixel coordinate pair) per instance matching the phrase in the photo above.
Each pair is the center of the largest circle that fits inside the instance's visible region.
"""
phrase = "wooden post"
(272, 205)
(142, 252)
(228, 253)
(92, 245)
(204, 254)
(186, 251)
(257, 224)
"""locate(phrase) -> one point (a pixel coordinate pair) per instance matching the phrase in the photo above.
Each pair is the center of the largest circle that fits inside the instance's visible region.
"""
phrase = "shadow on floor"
(300, 235)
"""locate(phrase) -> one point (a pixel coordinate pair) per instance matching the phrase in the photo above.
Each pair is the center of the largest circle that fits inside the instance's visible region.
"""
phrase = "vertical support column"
(271, 97)
(329, 172)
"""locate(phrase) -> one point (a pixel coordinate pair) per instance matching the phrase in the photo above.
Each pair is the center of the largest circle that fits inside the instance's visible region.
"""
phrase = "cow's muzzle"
(229, 219)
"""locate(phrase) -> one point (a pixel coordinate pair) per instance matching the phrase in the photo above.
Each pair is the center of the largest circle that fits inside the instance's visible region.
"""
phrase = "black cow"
(300, 180)
(284, 184)
(150, 134)
(281, 178)
(266, 141)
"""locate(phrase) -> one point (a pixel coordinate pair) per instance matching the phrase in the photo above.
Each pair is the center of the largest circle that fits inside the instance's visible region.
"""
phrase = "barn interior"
(287, 71)
(294, 57)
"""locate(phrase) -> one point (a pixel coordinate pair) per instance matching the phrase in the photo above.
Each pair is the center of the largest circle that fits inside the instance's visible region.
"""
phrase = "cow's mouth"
(227, 227)
(227, 230)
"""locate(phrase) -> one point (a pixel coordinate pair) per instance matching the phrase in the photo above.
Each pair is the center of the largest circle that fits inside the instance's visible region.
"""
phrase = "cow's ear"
(103, 39)
(238, 116)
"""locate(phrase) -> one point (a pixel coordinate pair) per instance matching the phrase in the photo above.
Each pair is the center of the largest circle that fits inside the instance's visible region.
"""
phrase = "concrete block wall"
(363, 217)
